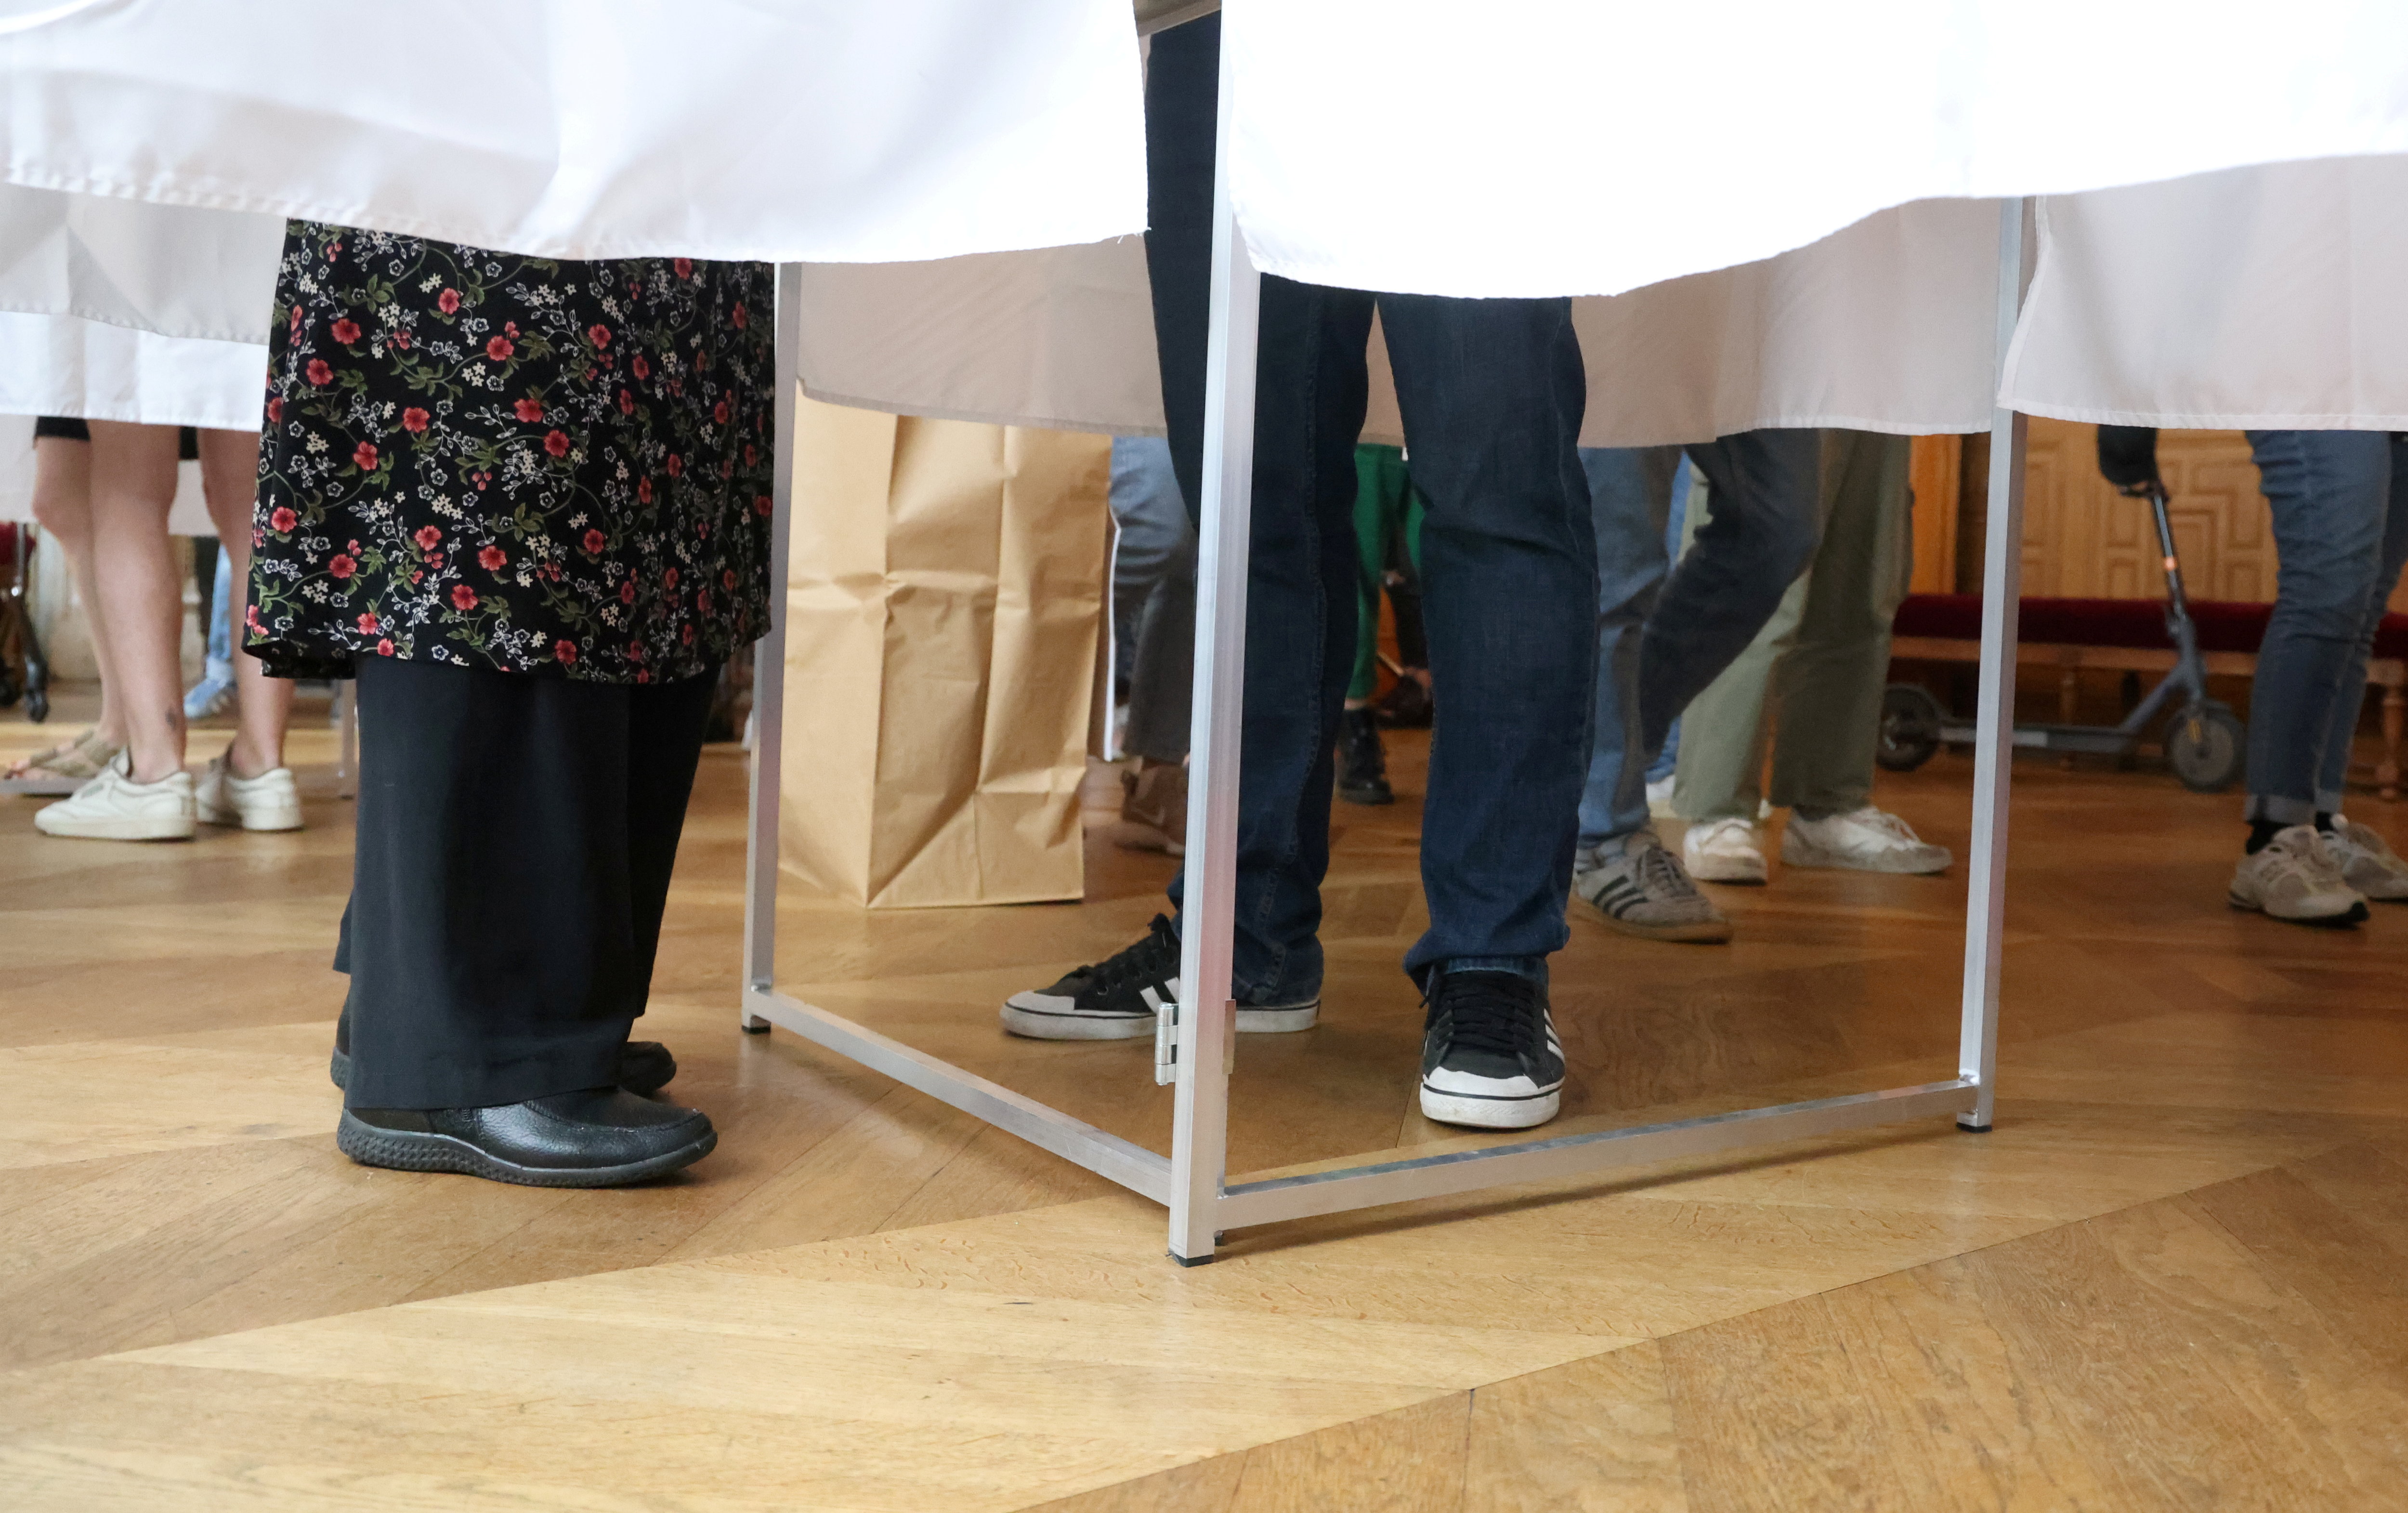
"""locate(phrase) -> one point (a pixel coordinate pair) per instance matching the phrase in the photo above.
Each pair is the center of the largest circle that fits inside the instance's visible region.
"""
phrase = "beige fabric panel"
(2269, 296)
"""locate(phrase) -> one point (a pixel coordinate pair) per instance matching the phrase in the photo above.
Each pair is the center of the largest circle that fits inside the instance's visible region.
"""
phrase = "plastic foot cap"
(752, 1029)
(1191, 1260)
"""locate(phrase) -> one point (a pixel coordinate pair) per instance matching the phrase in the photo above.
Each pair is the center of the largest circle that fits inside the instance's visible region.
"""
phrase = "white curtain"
(1785, 202)
(1533, 147)
(799, 130)
(2271, 297)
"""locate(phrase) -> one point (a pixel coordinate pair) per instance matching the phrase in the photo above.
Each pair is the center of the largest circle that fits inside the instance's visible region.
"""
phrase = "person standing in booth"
(526, 504)
(1492, 393)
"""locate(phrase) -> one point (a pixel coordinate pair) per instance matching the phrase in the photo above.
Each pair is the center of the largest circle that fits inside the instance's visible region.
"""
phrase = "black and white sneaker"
(1119, 998)
(1490, 1058)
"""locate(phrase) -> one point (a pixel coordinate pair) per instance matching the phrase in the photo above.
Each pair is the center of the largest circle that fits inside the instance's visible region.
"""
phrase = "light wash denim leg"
(2336, 498)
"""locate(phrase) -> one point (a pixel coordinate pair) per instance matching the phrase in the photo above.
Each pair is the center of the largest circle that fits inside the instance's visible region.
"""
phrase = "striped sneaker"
(1642, 890)
(1118, 998)
(1490, 1058)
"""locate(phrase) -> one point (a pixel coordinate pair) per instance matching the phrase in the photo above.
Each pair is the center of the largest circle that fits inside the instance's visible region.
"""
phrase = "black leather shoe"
(599, 1137)
(1362, 764)
(645, 1066)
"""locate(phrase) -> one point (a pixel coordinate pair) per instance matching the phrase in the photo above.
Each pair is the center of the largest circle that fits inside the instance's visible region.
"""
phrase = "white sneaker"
(114, 807)
(1867, 839)
(2366, 862)
(270, 802)
(1723, 851)
(1659, 797)
(2292, 879)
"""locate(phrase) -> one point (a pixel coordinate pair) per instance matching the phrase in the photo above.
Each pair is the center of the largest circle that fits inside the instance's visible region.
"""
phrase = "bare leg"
(62, 508)
(140, 593)
(230, 478)
(63, 505)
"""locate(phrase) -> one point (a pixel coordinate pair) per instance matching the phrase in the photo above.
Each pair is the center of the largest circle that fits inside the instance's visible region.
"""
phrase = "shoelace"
(1151, 959)
(1660, 877)
(2307, 861)
(1487, 1011)
(2365, 838)
(1884, 823)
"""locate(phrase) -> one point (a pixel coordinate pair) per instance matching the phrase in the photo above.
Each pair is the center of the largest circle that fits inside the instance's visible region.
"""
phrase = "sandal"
(63, 768)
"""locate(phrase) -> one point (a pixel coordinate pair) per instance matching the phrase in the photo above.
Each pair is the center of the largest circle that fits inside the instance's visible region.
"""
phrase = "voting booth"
(1884, 225)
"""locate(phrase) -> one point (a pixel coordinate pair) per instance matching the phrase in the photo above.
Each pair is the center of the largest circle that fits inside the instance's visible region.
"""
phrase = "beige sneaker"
(2366, 862)
(1866, 840)
(1154, 808)
(114, 807)
(1723, 851)
(2292, 879)
(1642, 890)
(270, 802)
(62, 768)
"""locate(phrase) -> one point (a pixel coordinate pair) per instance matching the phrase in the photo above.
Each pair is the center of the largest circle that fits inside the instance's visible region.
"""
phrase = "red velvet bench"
(2129, 635)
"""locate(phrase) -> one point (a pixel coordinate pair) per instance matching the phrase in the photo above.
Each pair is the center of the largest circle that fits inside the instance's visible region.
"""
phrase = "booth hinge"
(1165, 1043)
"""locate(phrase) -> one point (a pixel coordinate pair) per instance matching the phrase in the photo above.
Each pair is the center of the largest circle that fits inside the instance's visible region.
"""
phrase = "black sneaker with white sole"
(1119, 998)
(1490, 1058)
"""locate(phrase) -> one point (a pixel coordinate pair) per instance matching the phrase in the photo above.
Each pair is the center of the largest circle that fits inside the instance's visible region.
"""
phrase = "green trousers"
(1813, 678)
(1387, 506)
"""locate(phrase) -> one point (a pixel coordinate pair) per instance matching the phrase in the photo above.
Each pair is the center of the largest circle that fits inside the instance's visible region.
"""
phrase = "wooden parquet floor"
(2176, 1276)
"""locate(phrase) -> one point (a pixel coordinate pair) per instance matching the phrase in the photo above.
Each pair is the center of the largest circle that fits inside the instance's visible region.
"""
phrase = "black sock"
(2261, 832)
(2324, 820)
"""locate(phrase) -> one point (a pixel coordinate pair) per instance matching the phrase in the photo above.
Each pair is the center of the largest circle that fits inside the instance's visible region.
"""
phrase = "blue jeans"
(1664, 633)
(1492, 392)
(2341, 532)
(1154, 599)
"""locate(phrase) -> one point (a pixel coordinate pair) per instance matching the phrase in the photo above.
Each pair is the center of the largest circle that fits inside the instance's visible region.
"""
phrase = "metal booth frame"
(1197, 1039)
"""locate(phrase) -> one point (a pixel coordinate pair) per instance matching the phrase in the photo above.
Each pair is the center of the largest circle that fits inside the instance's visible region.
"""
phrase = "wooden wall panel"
(2082, 539)
(1934, 471)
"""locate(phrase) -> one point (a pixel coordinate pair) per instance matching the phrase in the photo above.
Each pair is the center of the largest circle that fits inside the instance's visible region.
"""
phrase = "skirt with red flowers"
(512, 463)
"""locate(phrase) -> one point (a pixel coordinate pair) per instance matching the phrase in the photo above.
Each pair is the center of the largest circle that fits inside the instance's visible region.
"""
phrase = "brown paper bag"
(945, 598)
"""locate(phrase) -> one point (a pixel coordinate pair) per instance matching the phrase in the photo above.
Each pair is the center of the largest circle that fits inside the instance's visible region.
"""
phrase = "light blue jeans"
(1153, 597)
(2341, 532)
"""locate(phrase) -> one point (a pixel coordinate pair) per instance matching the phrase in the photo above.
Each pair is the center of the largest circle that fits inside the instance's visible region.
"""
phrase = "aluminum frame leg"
(769, 674)
(1207, 1025)
(2003, 550)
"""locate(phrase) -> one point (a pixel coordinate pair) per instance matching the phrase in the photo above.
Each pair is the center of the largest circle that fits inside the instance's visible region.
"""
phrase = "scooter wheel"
(1910, 728)
(2206, 745)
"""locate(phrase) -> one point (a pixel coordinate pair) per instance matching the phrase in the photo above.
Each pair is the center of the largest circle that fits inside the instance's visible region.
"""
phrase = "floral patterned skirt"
(512, 463)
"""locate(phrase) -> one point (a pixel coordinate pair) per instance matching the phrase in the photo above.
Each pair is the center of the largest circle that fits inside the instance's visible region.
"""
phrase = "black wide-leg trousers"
(516, 835)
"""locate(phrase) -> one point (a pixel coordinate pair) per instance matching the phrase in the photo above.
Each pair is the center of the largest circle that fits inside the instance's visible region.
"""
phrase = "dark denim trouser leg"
(1310, 393)
(2331, 491)
(1492, 392)
(1630, 502)
(1763, 502)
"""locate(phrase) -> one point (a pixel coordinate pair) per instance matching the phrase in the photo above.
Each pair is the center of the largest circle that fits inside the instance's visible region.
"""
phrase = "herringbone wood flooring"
(2173, 1277)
